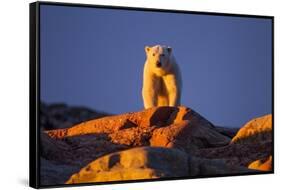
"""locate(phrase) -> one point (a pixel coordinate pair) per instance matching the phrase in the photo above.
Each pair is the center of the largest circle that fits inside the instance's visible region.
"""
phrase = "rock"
(170, 141)
(149, 163)
(188, 135)
(60, 158)
(214, 167)
(188, 131)
(132, 164)
(77, 151)
(56, 116)
(262, 164)
(237, 154)
(143, 120)
(55, 173)
(227, 131)
(53, 149)
(256, 130)
(252, 142)
(178, 127)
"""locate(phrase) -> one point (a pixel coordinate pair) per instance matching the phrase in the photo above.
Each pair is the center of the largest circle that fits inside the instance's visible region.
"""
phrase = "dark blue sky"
(95, 57)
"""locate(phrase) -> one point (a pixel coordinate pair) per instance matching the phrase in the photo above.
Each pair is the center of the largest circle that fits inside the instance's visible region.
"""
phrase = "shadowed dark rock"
(57, 116)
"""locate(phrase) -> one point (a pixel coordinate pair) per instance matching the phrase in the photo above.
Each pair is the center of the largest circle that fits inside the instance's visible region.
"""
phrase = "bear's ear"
(169, 49)
(147, 49)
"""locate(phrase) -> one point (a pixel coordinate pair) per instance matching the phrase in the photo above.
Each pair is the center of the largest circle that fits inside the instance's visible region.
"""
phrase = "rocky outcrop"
(227, 131)
(252, 142)
(77, 150)
(137, 163)
(72, 153)
(256, 130)
(149, 163)
(153, 143)
(237, 154)
(57, 116)
(178, 127)
(262, 164)
(54, 172)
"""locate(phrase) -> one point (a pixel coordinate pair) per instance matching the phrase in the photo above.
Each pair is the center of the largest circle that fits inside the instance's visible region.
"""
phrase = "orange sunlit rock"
(263, 165)
(178, 127)
(258, 129)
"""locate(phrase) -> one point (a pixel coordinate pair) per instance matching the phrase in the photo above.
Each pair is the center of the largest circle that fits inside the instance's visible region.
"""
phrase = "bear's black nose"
(158, 64)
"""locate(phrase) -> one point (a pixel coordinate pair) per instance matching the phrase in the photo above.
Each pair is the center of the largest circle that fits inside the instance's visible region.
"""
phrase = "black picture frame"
(34, 98)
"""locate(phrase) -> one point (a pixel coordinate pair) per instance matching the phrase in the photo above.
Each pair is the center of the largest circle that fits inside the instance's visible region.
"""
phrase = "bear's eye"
(153, 54)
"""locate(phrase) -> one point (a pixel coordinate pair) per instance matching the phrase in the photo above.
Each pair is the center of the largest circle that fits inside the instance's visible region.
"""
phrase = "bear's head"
(159, 56)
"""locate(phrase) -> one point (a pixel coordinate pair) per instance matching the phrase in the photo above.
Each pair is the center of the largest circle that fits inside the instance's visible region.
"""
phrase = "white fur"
(161, 86)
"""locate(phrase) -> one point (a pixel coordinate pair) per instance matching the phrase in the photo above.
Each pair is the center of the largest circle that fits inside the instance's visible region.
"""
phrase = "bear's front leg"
(149, 93)
(173, 90)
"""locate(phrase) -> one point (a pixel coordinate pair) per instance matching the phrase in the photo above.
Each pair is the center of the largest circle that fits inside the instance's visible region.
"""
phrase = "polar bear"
(162, 83)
